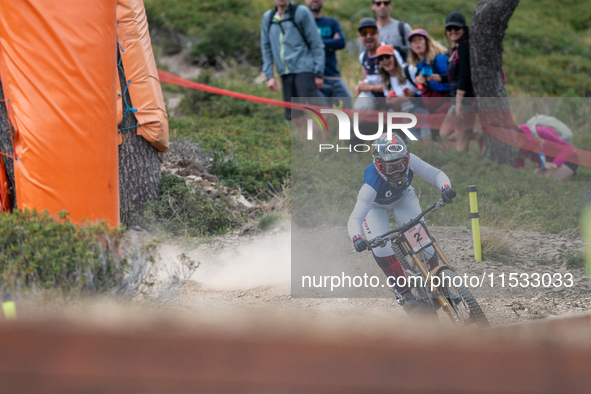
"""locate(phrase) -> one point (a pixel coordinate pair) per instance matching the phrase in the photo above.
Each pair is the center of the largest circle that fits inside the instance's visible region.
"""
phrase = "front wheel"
(462, 301)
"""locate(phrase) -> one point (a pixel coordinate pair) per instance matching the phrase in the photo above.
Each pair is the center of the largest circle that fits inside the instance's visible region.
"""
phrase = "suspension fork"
(414, 258)
(445, 305)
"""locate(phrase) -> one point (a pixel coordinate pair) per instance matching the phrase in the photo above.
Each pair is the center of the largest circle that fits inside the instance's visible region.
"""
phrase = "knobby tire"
(476, 313)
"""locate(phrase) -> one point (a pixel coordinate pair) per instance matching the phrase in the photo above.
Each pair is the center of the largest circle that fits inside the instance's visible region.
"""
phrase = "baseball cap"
(367, 22)
(455, 19)
(418, 32)
(385, 50)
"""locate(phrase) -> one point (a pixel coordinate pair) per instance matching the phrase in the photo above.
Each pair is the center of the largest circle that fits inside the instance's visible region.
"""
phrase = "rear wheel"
(460, 298)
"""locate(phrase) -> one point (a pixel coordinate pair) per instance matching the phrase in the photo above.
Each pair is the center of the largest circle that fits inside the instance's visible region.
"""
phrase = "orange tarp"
(140, 70)
(59, 73)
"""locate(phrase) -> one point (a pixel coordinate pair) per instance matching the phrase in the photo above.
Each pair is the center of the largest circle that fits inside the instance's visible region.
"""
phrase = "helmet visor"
(395, 166)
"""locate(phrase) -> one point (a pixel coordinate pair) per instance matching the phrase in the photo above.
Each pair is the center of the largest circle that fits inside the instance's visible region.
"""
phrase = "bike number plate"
(418, 238)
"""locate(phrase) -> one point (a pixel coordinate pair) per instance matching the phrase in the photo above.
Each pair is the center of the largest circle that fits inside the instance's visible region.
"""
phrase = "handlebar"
(381, 240)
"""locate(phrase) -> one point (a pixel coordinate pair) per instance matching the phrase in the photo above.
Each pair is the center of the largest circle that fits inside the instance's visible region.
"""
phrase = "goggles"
(394, 167)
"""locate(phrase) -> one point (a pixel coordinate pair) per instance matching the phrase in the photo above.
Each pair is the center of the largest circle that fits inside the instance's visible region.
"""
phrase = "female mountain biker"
(387, 188)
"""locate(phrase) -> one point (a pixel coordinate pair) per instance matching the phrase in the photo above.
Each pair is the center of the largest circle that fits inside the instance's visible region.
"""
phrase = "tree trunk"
(6, 145)
(489, 23)
(139, 166)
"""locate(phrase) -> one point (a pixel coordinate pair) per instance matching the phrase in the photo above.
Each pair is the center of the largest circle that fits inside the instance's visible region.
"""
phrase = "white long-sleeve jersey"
(376, 190)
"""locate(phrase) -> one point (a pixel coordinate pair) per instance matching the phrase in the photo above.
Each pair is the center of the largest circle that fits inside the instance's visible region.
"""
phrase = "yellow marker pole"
(8, 307)
(474, 217)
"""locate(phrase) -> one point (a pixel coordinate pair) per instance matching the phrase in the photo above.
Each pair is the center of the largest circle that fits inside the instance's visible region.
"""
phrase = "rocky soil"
(250, 274)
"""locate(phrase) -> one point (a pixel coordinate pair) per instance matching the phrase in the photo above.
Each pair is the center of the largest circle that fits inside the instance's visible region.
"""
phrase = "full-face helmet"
(390, 156)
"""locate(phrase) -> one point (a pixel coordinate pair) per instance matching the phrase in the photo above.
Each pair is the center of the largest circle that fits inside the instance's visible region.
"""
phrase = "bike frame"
(428, 275)
(417, 229)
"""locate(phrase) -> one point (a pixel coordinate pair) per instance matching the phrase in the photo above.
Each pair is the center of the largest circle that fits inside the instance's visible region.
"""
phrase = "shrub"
(235, 40)
(269, 219)
(42, 251)
(215, 28)
(187, 210)
(574, 259)
(497, 247)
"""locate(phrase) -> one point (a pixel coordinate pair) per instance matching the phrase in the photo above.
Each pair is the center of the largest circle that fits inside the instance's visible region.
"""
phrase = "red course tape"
(506, 135)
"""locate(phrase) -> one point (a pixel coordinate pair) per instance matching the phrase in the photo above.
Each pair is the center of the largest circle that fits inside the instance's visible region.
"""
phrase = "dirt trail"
(250, 275)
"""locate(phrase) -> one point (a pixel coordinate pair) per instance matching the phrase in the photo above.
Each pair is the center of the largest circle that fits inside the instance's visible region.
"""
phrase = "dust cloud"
(236, 263)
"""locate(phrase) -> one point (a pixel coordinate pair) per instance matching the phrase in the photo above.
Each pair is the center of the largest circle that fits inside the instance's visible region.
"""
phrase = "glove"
(361, 244)
(448, 194)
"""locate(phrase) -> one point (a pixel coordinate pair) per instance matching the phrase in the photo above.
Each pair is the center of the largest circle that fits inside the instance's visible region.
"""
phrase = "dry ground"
(250, 275)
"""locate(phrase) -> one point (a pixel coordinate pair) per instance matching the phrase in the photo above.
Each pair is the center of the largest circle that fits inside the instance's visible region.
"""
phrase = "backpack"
(291, 9)
(408, 77)
(403, 52)
(563, 131)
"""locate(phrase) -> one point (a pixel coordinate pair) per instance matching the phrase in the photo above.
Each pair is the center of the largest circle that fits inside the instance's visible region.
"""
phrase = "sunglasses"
(382, 57)
(382, 3)
(454, 28)
(372, 31)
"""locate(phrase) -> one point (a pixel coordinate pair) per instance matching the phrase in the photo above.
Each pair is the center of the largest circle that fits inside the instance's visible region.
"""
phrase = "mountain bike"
(452, 296)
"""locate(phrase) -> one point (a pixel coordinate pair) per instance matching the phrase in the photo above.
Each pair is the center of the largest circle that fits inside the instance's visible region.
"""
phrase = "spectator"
(550, 167)
(399, 89)
(371, 84)
(392, 31)
(458, 125)
(290, 40)
(369, 91)
(333, 39)
(431, 62)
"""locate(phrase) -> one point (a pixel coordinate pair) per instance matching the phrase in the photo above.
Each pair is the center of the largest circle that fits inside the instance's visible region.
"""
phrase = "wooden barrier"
(65, 357)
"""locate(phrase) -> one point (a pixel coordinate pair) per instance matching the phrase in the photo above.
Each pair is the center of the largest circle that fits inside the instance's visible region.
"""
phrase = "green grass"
(325, 189)
(574, 259)
(543, 260)
(249, 153)
(237, 79)
(269, 219)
